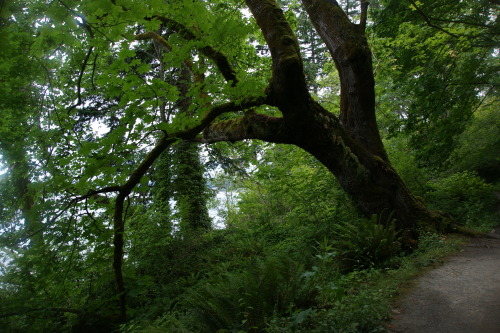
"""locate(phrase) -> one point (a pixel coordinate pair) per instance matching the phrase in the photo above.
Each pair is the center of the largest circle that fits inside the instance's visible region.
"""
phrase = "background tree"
(440, 61)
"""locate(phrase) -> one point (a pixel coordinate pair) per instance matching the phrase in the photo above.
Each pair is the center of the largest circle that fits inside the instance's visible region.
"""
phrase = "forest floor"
(460, 296)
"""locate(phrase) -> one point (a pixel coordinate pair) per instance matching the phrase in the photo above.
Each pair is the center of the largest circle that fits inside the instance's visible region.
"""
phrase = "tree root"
(471, 233)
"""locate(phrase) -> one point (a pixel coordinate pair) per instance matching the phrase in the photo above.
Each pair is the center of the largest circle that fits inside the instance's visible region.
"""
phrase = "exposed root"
(471, 233)
(445, 223)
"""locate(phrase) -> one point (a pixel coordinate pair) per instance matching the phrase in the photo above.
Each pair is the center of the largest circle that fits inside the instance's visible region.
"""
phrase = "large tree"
(349, 145)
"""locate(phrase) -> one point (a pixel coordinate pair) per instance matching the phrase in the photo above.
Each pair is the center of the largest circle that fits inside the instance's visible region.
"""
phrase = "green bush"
(356, 306)
(467, 197)
(477, 148)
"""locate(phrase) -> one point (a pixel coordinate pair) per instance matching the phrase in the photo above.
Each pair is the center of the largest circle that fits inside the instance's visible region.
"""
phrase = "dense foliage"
(226, 237)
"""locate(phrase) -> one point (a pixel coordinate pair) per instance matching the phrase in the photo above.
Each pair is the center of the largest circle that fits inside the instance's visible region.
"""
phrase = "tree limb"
(288, 78)
(216, 56)
(250, 126)
(429, 21)
(157, 37)
(364, 13)
(79, 82)
(334, 27)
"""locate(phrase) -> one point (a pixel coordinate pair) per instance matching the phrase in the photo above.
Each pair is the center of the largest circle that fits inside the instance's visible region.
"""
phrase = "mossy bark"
(190, 189)
(189, 184)
(350, 145)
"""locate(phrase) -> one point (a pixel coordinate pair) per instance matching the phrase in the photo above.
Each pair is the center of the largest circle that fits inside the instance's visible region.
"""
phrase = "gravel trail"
(461, 296)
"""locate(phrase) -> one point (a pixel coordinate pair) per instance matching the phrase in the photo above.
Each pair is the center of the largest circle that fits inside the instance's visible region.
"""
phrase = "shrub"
(247, 300)
(368, 243)
(466, 196)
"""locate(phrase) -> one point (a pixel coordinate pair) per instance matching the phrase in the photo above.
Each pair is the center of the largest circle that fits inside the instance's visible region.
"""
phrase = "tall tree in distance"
(19, 127)
(189, 183)
(187, 186)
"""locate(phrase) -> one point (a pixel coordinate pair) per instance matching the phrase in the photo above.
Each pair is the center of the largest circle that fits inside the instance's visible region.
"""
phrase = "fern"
(368, 243)
(248, 300)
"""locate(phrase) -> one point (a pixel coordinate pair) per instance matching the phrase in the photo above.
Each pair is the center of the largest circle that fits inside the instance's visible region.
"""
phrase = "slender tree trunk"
(189, 184)
(118, 244)
(190, 189)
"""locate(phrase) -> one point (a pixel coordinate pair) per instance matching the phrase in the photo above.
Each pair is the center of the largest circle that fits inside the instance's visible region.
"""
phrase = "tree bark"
(349, 146)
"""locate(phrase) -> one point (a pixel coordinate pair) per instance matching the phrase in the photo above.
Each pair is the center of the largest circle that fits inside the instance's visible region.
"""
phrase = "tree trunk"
(349, 146)
(189, 183)
(190, 189)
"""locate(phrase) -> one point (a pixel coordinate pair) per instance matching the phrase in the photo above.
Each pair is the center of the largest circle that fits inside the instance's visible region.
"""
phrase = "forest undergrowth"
(282, 279)
(289, 261)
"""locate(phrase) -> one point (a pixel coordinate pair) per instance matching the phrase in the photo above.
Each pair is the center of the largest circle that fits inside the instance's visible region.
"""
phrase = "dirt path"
(461, 296)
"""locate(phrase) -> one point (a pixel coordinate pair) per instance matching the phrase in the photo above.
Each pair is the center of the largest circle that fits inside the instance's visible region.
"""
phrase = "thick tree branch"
(250, 126)
(216, 56)
(350, 50)
(364, 13)
(288, 82)
(332, 24)
(216, 111)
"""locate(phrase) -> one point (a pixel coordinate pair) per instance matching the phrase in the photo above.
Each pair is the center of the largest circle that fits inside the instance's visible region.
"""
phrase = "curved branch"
(250, 126)
(157, 37)
(216, 56)
(429, 22)
(143, 167)
(162, 144)
(79, 82)
(216, 111)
